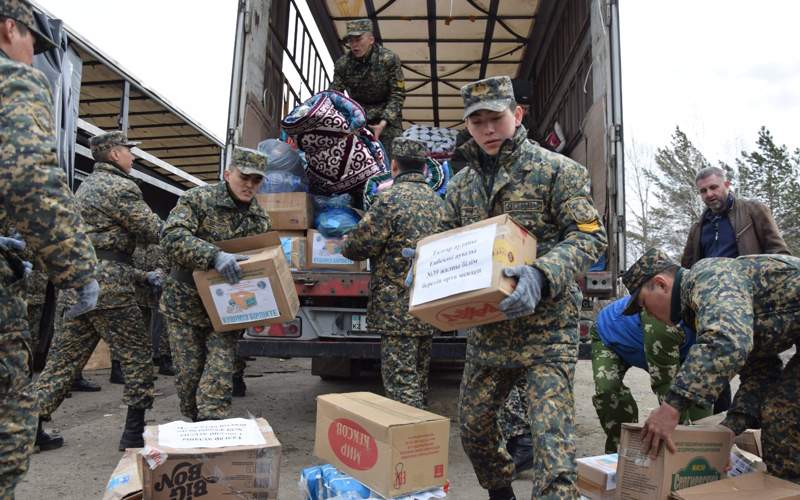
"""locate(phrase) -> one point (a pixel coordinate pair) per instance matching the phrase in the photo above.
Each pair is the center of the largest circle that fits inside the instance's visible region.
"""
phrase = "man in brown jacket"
(730, 226)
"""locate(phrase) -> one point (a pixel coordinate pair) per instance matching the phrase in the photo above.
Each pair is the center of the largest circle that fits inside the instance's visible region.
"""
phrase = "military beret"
(249, 161)
(651, 263)
(358, 27)
(21, 11)
(494, 94)
(409, 149)
(104, 142)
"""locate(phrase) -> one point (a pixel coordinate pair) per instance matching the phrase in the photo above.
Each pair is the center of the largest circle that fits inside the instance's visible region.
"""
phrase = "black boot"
(116, 373)
(45, 441)
(165, 366)
(502, 494)
(80, 384)
(134, 428)
(239, 387)
(521, 450)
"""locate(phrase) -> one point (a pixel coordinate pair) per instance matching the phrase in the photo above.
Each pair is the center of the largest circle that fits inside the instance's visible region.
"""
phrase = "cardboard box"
(600, 470)
(126, 480)
(210, 472)
(326, 253)
(288, 211)
(593, 491)
(391, 447)
(746, 487)
(701, 457)
(458, 280)
(266, 293)
(750, 441)
(294, 248)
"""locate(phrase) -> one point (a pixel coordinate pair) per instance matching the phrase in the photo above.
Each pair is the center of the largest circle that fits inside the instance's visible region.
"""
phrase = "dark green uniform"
(549, 195)
(376, 82)
(37, 201)
(399, 218)
(203, 358)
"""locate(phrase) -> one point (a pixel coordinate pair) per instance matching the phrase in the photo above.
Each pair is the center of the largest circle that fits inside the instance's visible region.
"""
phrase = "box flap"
(754, 485)
(126, 480)
(250, 243)
(380, 410)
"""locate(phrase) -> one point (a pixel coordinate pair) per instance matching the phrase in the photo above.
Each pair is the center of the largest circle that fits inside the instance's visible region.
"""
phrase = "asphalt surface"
(283, 392)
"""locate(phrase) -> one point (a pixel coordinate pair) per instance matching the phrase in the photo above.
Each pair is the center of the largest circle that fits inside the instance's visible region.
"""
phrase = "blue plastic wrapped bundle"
(333, 216)
(285, 172)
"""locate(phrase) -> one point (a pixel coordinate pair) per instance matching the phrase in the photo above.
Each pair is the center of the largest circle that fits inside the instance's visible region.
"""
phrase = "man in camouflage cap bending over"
(549, 195)
(400, 217)
(203, 358)
(116, 218)
(746, 311)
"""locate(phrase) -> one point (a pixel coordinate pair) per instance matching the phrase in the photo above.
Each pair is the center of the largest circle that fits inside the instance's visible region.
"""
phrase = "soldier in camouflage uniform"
(204, 359)
(399, 218)
(620, 342)
(116, 217)
(373, 77)
(34, 197)
(151, 258)
(549, 195)
(746, 312)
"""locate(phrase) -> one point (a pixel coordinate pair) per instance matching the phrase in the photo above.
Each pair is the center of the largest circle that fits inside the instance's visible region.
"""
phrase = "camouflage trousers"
(18, 415)
(124, 332)
(34, 323)
(514, 415)
(780, 422)
(204, 361)
(405, 366)
(612, 399)
(154, 321)
(484, 390)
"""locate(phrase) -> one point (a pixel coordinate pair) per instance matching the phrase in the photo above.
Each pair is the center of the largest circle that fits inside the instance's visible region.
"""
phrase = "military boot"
(239, 387)
(521, 450)
(134, 428)
(116, 373)
(165, 366)
(502, 494)
(80, 384)
(45, 441)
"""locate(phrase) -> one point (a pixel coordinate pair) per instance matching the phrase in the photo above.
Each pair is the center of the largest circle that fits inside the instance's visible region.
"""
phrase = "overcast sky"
(718, 68)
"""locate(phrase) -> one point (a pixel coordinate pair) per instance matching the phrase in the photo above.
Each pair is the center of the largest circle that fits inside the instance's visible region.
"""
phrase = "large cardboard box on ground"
(288, 211)
(186, 460)
(265, 294)
(126, 480)
(756, 485)
(391, 447)
(701, 456)
(458, 280)
(326, 253)
(294, 248)
(598, 476)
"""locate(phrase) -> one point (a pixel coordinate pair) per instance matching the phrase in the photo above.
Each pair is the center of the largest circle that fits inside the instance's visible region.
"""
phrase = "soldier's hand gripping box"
(266, 293)
(213, 460)
(701, 457)
(288, 211)
(458, 274)
(391, 447)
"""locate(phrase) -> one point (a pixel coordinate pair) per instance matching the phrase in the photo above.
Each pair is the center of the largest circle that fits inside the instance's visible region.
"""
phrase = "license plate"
(358, 323)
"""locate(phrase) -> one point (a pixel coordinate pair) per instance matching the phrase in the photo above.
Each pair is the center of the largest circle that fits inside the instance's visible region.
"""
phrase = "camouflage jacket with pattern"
(549, 194)
(399, 218)
(148, 258)
(34, 192)
(746, 312)
(203, 215)
(116, 217)
(375, 81)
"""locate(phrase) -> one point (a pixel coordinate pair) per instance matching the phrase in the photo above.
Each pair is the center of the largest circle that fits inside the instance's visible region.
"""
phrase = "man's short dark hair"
(23, 30)
(409, 165)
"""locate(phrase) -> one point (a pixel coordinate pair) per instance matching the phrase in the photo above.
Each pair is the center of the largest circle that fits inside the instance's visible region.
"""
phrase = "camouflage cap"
(651, 263)
(409, 149)
(249, 161)
(358, 27)
(494, 94)
(104, 142)
(21, 11)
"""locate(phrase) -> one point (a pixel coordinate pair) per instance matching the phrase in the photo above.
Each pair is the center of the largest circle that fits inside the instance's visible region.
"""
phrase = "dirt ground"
(282, 391)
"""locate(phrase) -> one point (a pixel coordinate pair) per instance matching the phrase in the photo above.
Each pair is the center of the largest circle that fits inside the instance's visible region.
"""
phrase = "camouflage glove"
(228, 266)
(155, 279)
(87, 300)
(410, 254)
(12, 243)
(526, 295)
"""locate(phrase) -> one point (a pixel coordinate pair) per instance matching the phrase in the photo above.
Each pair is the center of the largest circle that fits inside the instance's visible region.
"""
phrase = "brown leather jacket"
(755, 229)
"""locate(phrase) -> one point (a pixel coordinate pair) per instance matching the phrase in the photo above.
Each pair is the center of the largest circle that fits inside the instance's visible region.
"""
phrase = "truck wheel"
(335, 368)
